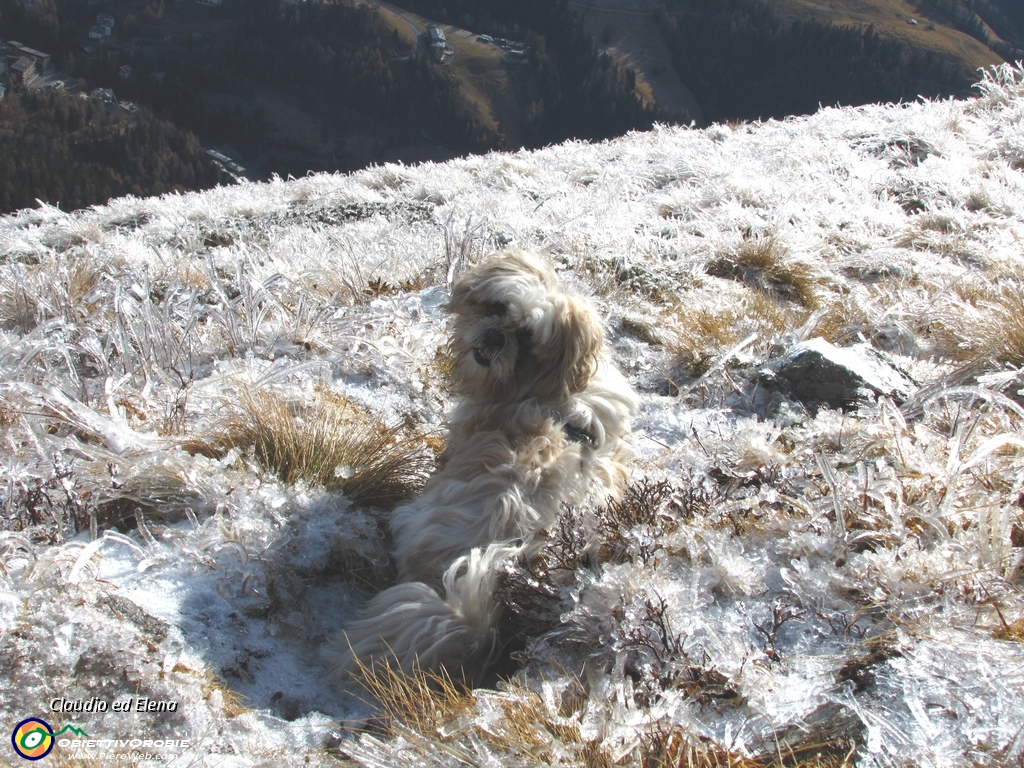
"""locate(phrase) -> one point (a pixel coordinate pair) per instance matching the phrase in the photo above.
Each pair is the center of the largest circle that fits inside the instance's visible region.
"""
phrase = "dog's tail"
(411, 627)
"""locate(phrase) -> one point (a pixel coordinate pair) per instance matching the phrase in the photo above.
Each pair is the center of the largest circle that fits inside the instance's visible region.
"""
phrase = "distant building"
(438, 42)
(3, 59)
(3, 91)
(103, 28)
(23, 70)
(41, 61)
(104, 94)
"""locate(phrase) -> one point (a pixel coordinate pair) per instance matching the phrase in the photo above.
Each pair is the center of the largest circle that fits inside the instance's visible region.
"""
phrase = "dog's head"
(518, 336)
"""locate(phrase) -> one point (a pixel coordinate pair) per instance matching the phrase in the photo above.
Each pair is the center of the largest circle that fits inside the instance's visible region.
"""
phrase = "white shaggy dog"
(541, 421)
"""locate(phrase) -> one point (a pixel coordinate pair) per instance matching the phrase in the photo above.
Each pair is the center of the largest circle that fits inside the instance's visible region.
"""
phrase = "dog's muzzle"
(491, 345)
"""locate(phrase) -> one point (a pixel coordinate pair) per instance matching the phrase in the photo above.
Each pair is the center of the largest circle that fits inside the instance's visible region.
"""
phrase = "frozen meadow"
(209, 402)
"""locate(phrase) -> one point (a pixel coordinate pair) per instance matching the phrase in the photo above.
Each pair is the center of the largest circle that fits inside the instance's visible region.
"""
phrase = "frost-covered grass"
(209, 401)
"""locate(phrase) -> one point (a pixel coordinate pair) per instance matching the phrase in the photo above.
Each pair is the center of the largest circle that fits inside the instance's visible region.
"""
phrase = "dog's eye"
(495, 309)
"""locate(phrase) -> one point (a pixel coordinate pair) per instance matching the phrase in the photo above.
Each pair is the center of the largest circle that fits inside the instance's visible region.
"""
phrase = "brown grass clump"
(530, 729)
(441, 714)
(667, 748)
(1012, 631)
(763, 263)
(331, 442)
(670, 748)
(1008, 630)
(980, 324)
(841, 321)
(698, 337)
(351, 286)
(419, 701)
(438, 715)
(1002, 337)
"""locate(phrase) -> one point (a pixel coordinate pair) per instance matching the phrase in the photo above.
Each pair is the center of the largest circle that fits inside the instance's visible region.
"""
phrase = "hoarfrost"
(847, 579)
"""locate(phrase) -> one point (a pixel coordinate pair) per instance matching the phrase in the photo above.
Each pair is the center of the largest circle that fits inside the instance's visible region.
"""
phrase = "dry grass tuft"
(443, 716)
(35, 292)
(436, 715)
(417, 700)
(763, 263)
(842, 321)
(530, 728)
(350, 285)
(670, 748)
(667, 748)
(330, 442)
(1012, 631)
(698, 337)
(377, 287)
(1002, 337)
(980, 324)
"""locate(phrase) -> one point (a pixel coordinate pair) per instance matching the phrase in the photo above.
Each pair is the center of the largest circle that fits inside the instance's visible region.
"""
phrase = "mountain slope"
(932, 28)
(787, 578)
(641, 34)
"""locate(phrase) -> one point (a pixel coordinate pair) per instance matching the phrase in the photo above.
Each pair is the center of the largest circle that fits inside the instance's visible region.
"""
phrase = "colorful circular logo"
(32, 738)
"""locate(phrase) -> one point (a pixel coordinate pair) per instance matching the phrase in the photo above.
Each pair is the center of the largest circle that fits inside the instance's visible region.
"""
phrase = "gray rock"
(818, 373)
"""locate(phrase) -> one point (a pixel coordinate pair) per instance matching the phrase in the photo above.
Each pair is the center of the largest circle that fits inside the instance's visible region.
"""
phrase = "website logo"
(32, 738)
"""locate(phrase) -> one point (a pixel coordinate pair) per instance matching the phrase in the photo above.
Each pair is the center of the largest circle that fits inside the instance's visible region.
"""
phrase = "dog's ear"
(574, 351)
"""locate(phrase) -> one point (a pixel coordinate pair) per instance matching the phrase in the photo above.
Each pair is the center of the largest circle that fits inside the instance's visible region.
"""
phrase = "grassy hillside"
(209, 402)
(490, 81)
(493, 86)
(934, 30)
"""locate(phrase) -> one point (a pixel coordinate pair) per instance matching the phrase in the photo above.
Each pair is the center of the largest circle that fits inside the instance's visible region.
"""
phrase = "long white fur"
(541, 422)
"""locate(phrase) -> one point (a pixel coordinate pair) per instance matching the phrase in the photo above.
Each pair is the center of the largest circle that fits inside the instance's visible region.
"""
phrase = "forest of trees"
(743, 62)
(336, 58)
(1005, 17)
(1010, 21)
(575, 91)
(75, 153)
